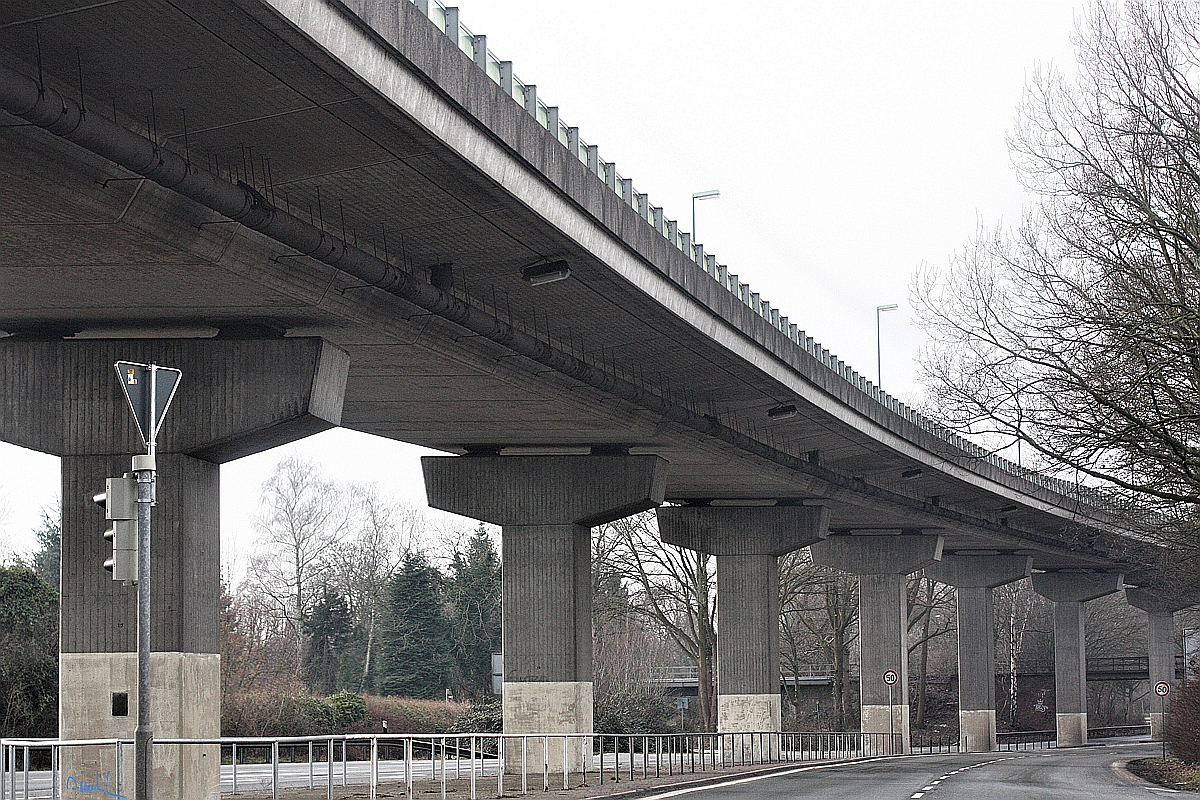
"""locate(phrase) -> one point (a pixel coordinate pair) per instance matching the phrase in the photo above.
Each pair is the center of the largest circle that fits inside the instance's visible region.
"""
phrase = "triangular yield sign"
(149, 407)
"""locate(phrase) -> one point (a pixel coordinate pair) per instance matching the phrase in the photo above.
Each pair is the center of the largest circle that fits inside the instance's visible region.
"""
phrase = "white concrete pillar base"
(1156, 724)
(1072, 729)
(546, 708)
(977, 731)
(875, 720)
(185, 702)
(740, 716)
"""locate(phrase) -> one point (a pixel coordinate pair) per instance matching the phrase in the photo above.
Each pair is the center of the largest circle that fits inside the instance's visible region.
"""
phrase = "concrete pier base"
(1069, 591)
(747, 541)
(882, 563)
(974, 577)
(977, 730)
(185, 703)
(545, 506)
(745, 717)
(884, 719)
(236, 397)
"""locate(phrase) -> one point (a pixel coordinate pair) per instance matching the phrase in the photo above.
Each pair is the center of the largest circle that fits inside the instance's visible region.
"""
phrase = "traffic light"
(119, 501)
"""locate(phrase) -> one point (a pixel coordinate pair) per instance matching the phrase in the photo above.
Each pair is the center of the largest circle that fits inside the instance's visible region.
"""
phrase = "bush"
(622, 712)
(349, 709)
(299, 714)
(409, 715)
(482, 718)
(1182, 727)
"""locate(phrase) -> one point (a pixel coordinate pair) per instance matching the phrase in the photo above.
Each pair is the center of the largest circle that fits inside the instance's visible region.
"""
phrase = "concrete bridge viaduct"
(352, 213)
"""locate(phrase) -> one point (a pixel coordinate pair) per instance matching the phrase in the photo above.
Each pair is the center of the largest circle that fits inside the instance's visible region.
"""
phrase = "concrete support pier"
(1160, 647)
(882, 562)
(236, 397)
(974, 577)
(546, 506)
(747, 541)
(1069, 591)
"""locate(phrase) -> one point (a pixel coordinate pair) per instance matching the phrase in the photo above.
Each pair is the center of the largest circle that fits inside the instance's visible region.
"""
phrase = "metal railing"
(474, 46)
(463, 764)
(1044, 740)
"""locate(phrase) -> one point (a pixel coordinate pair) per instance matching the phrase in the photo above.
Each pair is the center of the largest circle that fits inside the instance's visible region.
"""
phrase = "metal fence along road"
(31, 767)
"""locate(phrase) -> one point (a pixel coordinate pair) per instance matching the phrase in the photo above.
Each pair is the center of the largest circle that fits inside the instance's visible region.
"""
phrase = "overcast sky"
(852, 142)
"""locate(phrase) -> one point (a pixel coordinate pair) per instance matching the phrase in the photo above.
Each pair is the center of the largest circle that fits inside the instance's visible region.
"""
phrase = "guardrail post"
(500, 766)
(408, 766)
(329, 770)
(275, 770)
(310, 764)
(473, 767)
(375, 766)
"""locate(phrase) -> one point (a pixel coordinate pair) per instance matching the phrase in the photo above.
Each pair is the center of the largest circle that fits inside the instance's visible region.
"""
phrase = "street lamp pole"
(707, 194)
(878, 343)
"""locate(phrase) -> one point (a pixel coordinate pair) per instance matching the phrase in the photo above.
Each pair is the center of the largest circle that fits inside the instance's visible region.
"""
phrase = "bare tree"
(304, 517)
(673, 587)
(1077, 336)
(930, 617)
(380, 532)
(818, 608)
(1014, 607)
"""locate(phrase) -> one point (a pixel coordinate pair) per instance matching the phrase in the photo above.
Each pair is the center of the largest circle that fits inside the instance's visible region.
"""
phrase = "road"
(1075, 774)
(1085, 773)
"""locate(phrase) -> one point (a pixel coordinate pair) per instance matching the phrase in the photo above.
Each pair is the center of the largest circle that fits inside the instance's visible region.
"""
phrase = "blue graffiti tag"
(73, 784)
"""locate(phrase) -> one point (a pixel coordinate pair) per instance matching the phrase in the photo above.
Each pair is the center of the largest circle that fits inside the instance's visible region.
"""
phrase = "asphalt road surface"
(1085, 773)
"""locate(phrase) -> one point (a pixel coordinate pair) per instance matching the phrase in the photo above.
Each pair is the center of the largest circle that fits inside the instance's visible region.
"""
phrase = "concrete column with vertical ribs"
(974, 577)
(1069, 591)
(882, 562)
(747, 541)
(236, 397)
(546, 506)
(1160, 647)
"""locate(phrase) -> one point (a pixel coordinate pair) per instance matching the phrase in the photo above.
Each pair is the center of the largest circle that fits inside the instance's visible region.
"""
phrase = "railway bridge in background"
(353, 213)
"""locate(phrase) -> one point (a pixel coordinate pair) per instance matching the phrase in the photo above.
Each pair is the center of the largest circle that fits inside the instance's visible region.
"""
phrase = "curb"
(717, 779)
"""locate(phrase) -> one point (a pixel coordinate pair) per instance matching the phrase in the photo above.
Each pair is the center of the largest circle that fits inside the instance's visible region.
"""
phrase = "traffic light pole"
(143, 736)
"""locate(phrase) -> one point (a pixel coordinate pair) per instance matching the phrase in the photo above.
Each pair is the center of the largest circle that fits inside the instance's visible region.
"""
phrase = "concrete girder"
(1069, 591)
(546, 506)
(747, 541)
(62, 397)
(974, 577)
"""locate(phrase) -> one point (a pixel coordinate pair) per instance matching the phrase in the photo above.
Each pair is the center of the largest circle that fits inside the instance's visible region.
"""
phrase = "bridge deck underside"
(264, 105)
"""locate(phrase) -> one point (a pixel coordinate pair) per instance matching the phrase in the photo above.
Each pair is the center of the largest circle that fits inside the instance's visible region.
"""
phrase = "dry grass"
(1170, 773)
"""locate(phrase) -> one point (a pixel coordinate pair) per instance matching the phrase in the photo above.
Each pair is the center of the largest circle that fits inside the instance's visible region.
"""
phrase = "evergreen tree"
(28, 654)
(45, 560)
(415, 658)
(327, 632)
(473, 592)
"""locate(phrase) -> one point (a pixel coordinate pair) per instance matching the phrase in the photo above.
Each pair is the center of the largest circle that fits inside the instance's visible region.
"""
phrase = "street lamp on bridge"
(878, 348)
(707, 194)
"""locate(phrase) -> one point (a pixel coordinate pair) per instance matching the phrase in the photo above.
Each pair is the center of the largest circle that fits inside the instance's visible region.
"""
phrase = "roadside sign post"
(890, 677)
(1162, 689)
(149, 389)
